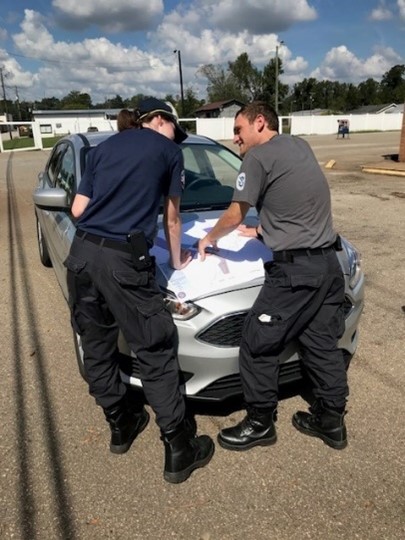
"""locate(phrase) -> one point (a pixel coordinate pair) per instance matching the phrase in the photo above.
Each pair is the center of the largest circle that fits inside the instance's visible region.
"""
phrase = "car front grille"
(230, 386)
(226, 332)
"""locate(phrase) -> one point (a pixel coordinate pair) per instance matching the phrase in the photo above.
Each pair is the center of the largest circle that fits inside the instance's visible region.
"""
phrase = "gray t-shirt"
(285, 183)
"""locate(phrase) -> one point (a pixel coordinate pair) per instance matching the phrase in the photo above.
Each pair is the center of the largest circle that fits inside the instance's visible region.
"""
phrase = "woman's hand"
(247, 230)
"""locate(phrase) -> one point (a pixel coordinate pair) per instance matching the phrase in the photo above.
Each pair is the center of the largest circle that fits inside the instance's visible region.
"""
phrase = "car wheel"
(42, 247)
(79, 354)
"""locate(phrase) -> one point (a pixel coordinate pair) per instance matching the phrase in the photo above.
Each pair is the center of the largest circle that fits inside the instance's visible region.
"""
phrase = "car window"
(210, 176)
(84, 154)
(54, 162)
(65, 177)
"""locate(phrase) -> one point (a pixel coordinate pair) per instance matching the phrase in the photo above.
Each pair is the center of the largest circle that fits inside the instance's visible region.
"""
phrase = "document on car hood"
(239, 260)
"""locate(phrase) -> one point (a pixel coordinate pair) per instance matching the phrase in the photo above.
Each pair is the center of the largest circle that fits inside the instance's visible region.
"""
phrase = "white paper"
(239, 260)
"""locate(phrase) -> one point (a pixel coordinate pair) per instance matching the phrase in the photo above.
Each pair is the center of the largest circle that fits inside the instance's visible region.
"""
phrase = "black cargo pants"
(106, 294)
(301, 300)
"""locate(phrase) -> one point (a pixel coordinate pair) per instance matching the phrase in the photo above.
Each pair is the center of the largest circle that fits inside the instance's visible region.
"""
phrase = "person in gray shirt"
(303, 292)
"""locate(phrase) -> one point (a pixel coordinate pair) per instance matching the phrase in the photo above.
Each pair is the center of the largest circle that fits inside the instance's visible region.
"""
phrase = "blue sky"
(125, 47)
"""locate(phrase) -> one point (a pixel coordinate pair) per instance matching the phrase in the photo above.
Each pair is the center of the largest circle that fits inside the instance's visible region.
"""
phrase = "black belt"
(104, 242)
(288, 254)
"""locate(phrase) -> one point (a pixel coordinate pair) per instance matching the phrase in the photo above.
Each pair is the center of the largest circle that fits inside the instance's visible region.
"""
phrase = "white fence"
(222, 128)
(324, 125)
(12, 133)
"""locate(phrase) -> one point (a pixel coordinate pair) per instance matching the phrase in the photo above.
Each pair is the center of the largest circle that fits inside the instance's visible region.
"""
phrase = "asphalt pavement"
(58, 479)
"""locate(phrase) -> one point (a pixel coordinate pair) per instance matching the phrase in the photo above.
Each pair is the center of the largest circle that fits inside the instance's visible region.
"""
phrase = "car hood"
(238, 263)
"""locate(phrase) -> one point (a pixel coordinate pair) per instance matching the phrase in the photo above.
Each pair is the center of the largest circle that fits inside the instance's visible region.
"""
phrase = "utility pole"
(401, 155)
(18, 103)
(276, 81)
(181, 80)
(5, 101)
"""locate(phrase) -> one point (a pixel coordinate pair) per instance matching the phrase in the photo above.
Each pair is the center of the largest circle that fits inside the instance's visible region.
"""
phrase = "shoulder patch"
(183, 179)
(240, 181)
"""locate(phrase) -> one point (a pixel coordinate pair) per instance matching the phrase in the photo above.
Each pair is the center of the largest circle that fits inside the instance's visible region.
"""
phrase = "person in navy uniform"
(303, 293)
(112, 286)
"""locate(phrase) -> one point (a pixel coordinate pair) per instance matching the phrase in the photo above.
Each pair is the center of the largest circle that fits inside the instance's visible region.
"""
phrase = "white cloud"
(116, 69)
(381, 13)
(111, 15)
(3, 34)
(96, 66)
(258, 16)
(341, 64)
(14, 75)
(102, 67)
(401, 8)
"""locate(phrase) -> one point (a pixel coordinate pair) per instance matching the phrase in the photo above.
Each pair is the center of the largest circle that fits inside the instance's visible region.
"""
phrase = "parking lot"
(58, 478)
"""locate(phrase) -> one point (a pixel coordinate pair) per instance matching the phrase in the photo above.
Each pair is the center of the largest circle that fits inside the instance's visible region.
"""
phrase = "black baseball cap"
(152, 106)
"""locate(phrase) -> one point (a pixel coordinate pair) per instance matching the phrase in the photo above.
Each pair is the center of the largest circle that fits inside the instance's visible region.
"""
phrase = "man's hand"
(246, 230)
(228, 222)
(203, 244)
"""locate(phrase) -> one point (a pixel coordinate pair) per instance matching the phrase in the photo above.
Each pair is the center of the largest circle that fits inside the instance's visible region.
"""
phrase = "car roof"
(93, 138)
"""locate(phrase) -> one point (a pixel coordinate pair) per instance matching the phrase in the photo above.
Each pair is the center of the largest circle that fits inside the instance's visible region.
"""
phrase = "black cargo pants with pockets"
(300, 300)
(106, 294)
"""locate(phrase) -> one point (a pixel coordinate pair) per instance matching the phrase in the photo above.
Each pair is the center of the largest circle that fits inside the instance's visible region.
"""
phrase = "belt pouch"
(139, 250)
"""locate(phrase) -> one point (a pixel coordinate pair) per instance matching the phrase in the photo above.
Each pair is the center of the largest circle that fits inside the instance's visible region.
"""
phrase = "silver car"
(210, 323)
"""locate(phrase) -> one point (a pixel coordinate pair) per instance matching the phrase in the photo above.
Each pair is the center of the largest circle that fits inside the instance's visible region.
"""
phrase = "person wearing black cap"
(162, 115)
(112, 286)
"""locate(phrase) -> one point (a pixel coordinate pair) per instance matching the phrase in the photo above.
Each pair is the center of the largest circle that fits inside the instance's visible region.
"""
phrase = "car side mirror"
(51, 199)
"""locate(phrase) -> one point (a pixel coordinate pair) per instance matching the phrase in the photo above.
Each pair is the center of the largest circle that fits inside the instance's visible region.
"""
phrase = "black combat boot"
(125, 423)
(324, 422)
(190, 425)
(184, 452)
(256, 429)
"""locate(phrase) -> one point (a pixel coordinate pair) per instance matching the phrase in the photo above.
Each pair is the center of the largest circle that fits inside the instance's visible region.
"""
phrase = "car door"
(48, 180)
(63, 224)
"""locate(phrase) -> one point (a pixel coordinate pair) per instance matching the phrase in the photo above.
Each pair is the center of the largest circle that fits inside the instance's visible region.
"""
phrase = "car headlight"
(181, 311)
(354, 258)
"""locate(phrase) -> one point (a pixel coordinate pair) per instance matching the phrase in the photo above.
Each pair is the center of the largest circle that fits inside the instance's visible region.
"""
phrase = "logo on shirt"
(240, 181)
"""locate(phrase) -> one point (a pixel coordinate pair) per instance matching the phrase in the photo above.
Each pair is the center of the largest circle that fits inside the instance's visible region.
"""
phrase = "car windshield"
(210, 175)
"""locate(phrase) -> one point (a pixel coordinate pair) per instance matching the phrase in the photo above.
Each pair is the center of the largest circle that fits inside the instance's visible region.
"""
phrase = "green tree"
(48, 104)
(368, 92)
(26, 108)
(191, 102)
(392, 86)
(304, 93)
(222, 84)
(243, 81)
(132, 102)
(76, 100)
(268, 86)
(247, 78)
(116, 103)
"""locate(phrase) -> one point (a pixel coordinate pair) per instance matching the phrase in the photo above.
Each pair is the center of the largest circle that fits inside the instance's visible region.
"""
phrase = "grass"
(20, 142)
(28, 142)
(48, 142)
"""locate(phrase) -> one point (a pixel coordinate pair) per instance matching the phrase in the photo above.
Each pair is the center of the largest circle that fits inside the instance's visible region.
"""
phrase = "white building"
(63, 122)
